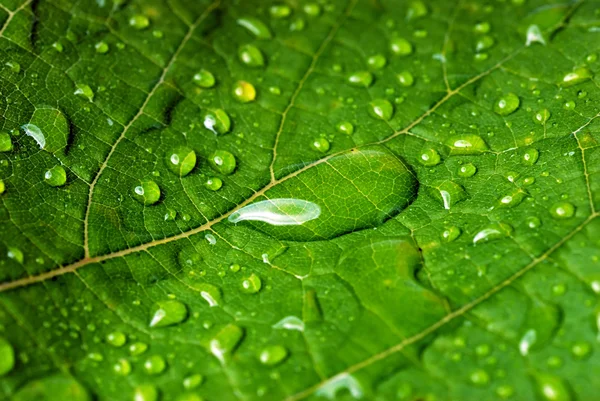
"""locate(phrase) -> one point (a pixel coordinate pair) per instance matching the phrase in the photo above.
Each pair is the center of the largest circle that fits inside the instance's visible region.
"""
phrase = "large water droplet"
(256, 27)
(167, 313)
(251, 56)
(507, 104)
(204, 79)
(225, 341)
(577, 76)
(217, 121)
(361, 78)
(53, 388)
(320, 145)
(345, 128)
(155, 365)
(279, 212)
(147, 193)
(7, 356)
(343, 381)
(273, 355)
(552, 388)
(492, 232)
(467, 144)
(145, 392)
(448, 193)
(181, 160)
(562, 210)
(401, 47)
(223, 162)
(5, 142)
(252, 284)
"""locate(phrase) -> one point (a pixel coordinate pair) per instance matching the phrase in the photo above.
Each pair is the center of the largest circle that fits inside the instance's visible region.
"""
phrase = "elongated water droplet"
(15, 254)
(273, 355)
(204, 79)
(226, 340)
(251, 56)
(138, 348)
(290, 323)
(468, 144)
(279, 212)
(14, 66)
(361, 78)
(217, 121)
(492, 232)
(534, 35)
(577, 76)
(507, 104)
(5, 142)
(513, 199)
(401, 47)
(181, 160)
(429, 157)
(210, 293)
(377, 62)
(7, 356)
(155, 365)
(484, 43)
(139, 22)
(562, 210)
(2, 187)
(223, 162)
(244, 92)
(56, 176)
(147, 193)
(167, 313)
(252, 284)
(381, 109)
(256, 27)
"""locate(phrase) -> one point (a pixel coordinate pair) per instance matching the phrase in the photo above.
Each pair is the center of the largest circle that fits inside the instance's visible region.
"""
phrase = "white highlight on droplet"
(278, 212)
(36, 133)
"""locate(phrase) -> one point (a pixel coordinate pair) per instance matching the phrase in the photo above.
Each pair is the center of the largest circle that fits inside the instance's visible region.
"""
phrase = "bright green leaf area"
(400, 203)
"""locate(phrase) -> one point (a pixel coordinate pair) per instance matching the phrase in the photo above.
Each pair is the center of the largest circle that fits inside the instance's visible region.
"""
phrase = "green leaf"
(289, 200)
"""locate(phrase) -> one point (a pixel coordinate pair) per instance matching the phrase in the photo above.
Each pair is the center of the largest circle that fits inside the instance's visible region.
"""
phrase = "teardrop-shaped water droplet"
(244, 92)
(448, 193)
(181, 160)
(225, 341)
(217, 121)
(534, 35)
(507, 104)
(467, 144)
(147, 192)
(256, 27)
(56, 176)
(279, 212)
(361, 78)
(562, 210)
(210, 293)
(381, 109)
(167, 313)
(251, 56)
(204, 79)
(492, 232)
(222, 161)
(273, 355)
(533, 222)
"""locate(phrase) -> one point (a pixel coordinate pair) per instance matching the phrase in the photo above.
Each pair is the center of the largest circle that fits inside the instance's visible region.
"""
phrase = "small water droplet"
(377, 62)
(290, 323)
(85, 91)
(467, 170)
(155, 365)
(252, 284)
(251, 56)
(479, 377)
(345, 128)
(223, 162)
(361, 78)
(381, 109)
(482, 27)
(280, 11)
(429, 157)
(405, 78)
(450, 234)
(147, 193)
(343, 381)
(204, 79)
(562, 210)
(14, 66)
(541, 116)
(530, 156)
(417, 9)
(320, 145)
(101, 47)
(56, 176)
(511, 200)
(181, 160)
(484, 43)
(213, 183)
(15, 254)
(122, 367)
(193, 381)
(273, 355)
(533, 222)
(552, 388)
(534, 35)
(577, 76)
(467, 144)
(401, 47)
(138, 348)
(116, 339)
(167, 313)
(507, 104)
(312, 9)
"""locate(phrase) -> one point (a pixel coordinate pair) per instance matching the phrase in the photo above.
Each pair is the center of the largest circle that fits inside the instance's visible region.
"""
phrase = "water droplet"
(467, 170)
(297, 25)
(138, 348)
(58, 47)
(512, 200)
(290, 323)
(210, 239)
(361, 78)
(57, 387)
(210, 293)
(155, 365)
(429, 157)
(222, 161)
(417, 9)
(193, 381)
(533, 222)
(244, 92)
(492, 232)
(581, 349)
(256, 27)
(401, 47)
(279, 212)
(320, 145)
(252, 284)
(225, 341)
(15, 254)
(167, 313)
(505, 391)
(448, 193)
(450, 234)
(468, 144)
(482, 27)
(85, 91)
(405, 78)
(204, 79)
(181, 160)
(577, 76)
(377, 62)
(484, 43)
(251, 56)
(343, 381)
(562, 210)
(213, 183)
(552, 388)
(312, 9)
(56, 176)
(507, 104)
(49, 128)
(345, 128)
(2, 187)
(95, 356)
(280, 11)
(273, 355)
(147, 193)
(7, 357)
(101, 47)
(541, 116)
(530, 156)
(14, 66)
(145, 392)
(381, 109)
(217, 121)
(139, 22)
(534, 35)
(122, 367)
(479, 377)
(5, 142)
(116, 339)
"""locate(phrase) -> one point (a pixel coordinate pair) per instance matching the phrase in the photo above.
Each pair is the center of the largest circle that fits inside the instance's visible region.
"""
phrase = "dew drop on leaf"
(479, 377)
(137, 348)
(5, 142)
(7, 357)
(145, 392)
(541, 116)
(507, 104)
(505, 391)
(222, 161)
(312, 9)
(122, 367)
(280, 11)
(552, 388)
(320, 145)
(581, 349)
(56, 176)
(213, 183)
(251, 284)
(381, 109)
(417, 9)
(401, 47)
(116, 338)
(193, 381)
(467, 144)
(429, 157)
(297, 25)
(562, 210)
(181, 160)
(533, 222)
(361, 78)
(101, 47)
(448, 193)
(377, 62)
(278, 212)
(467, 170)
(85, 91)
(450, 234)
(577, 76)
(405, 78)
(251, 56)
(139, 22)
(225, 341)
(256, 27)
(244, 92)
(534, 35)
(345, 128)
(339, 383)
(290, 323)
(147, 192)
(15, 254)
(484, 43)
(492, 232)
(273, 355)
(167, 313)
(14, 66)
(530, 156)
(511, 200)
(155, 365)
(204, 79)
(217, 121)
